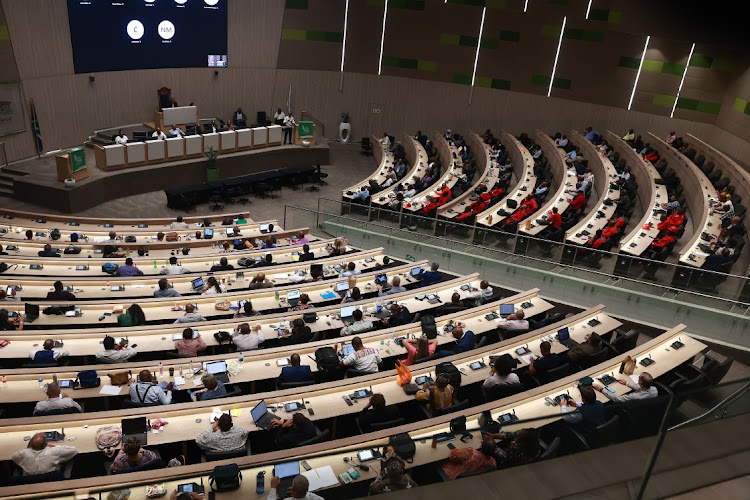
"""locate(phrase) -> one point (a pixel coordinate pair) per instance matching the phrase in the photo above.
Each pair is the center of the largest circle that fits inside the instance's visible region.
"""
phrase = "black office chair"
(61, 362)
(602, 435)
(379, 426)
(594, 359)
(294, 385)
(261, 118)
(455, 407)
(552, 375)
(351, 373)
(62, 411)
(501, 391)
(17, 478)
(625, 342)
(320, 436)
(208, 456)
(129, 403)
(366, 146)
(551, 450)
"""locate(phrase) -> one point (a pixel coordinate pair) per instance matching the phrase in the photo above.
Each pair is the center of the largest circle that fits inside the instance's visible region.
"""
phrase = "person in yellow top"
(438, 397)
(629, 136)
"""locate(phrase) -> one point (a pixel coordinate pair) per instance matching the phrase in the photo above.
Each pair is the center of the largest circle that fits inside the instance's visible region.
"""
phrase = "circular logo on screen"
(181, 2)
(135, 29)
(211, 2)
(166, 30)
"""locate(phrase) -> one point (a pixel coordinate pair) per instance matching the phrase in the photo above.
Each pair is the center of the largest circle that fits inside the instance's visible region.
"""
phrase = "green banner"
(77, 159)
(305, 130)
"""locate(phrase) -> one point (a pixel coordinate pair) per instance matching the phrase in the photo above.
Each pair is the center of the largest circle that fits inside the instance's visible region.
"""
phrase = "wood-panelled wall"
(70, 107)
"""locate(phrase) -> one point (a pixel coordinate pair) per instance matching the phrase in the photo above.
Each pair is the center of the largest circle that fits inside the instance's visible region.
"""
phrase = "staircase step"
(10, 171)
(7, 193)
(6, 184)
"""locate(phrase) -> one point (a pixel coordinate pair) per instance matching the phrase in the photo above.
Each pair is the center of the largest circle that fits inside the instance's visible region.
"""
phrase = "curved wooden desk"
(417, 157)
(384, 160)
(449, 178)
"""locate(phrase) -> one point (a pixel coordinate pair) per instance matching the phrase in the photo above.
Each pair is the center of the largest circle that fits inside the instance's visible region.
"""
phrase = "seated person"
(259, 281)
(715, 261)
(59, 293)
(465, 341)
(438, 396)
(189, 347)
(481, 294)
(176, 131)
(299, 489)
(427, 278)
(548, 361)
(353, 295)
(47, 252)
(223, 265)
(174, 268)
(665, 239)
(115, 353)
(475, 207)
(306, 253)
(363, 359)
(223, 436)
(41, 458)
(294, 431)
(247, 310)
(303, 304)
(676, 220)
(394, 288)
(578, 353)
(359, 325)
(214, 287)
(56, 401)
(456, 305)
(47, 355)
(578, 201)
(586, 415)
(417, 349)
(300, 334)
(513, 322)
(212, 389)
(393, 476)
(128, 269)
(400, 315)
(516, 448)
(501, 374)
(465, 460)
(121, 138)
(165, 291)
(132, 316)
(295, 372)
(159, 134)
(190, 315)
(644, 389)
(377, 412)
(146, 391)
(350, 270)
(132, 456)
(247, 339)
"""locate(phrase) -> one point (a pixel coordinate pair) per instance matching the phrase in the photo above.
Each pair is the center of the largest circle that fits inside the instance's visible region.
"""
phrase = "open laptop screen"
(216, 367)
(292, 295)
(346, 312)
(260, 410)
(563, 334)
(287, 469)
(507, 309)
(133, 425)
(342, 287)
(197, 282)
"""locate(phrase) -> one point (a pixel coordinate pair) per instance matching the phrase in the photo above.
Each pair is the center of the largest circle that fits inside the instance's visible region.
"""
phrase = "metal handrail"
(315, 121)
(723, 404)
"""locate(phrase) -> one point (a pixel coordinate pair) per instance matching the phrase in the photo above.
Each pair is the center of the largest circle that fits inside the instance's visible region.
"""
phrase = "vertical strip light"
(479, 44)
(684, 74)
(638, 75)
(588, 9)
(382, 36)
(557, 55)
(343, 46)
(525, 5)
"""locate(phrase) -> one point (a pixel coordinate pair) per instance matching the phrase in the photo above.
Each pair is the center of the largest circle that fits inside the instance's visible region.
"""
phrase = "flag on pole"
(289, 100)
(35, 128)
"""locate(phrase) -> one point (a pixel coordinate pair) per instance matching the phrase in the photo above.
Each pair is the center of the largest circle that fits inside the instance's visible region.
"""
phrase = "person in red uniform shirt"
(665, 240)
(609, 230)
(478, 206)
(674, 220)
(619, 220)
(578, 200)
(555, 219)
(528, 207)
(444, 195)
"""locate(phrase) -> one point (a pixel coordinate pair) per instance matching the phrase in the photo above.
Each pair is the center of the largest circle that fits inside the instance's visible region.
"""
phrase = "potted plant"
(212, 171)
(70, 181)
(345, 128)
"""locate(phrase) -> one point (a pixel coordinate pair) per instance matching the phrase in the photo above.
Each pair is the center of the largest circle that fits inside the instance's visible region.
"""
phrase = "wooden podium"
(304, 131)
(65, 165)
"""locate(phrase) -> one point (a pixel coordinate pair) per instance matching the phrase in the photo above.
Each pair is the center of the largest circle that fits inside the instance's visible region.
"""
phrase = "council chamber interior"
(348, 248)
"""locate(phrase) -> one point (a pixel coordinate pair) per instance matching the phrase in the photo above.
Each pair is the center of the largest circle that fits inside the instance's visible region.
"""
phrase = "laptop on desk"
(506, 310)
(347, 314)
(31, 312)
(563, 335)
(219, 370)
(342, 288)
(292, 297)
(197, 283)
(135, 427)
(264, 229)
(286, 471)
(263, 418)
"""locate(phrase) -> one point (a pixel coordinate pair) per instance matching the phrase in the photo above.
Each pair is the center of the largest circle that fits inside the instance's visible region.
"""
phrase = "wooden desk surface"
(86, 289)
(161, 309)
(258, 365)
(384, 159)
(519, 155)
(601, 167)
(449, 153)
(489, 175)
(64, 267)
(565, 177)
(159, 338)
(156, 249)
(529, 403)
(739, 177)
(120, 224)
(418, 161)
(325, 399)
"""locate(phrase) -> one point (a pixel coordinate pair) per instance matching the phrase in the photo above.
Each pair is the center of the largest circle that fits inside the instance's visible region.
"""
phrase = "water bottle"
(54, 377)
(5, 379)
(161, 369)
(241, 358)
(41, 382)
(277, 295)
(191, 366)
(180, 370)
(154, 263)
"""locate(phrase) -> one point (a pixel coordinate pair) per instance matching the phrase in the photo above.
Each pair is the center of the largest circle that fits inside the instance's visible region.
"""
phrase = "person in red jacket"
(578, 200)
(609, 230)
(555, 219)
(674, 220)
(619, 220)
(528, 207)
(665, 240)
(478, 206)
(444, 195)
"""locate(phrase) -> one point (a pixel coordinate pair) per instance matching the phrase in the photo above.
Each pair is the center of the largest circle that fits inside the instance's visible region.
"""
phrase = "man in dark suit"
(306, 253)
(386, 263)
(455, 305)
(295, 372)
(427, 278)
(465, 341)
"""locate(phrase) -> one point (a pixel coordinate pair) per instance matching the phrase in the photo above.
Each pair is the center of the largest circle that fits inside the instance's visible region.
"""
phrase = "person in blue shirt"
(465, 341)
(362, 195)
(295, 372)
(212, 389)
(427, 278)
(591, 134)
(268, 243)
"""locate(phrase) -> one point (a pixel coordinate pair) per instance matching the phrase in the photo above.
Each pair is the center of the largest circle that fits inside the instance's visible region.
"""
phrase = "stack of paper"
(110, 390)
(322, 477)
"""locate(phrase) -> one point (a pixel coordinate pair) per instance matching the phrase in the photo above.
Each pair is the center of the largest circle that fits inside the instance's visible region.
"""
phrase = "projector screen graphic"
(110, 35)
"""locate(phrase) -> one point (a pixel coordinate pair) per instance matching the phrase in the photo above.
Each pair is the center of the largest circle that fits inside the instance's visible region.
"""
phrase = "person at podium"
(239, 118)
(288, 127)
(175, 131)
(159, 134)
(121, 138)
